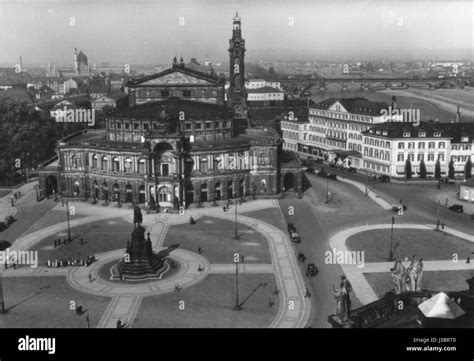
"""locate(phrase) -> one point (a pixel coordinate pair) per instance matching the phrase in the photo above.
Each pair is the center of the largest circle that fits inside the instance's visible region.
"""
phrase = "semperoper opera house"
(177, 142)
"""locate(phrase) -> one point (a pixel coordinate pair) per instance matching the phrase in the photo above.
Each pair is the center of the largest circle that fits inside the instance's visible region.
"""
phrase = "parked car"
(295, 237)
(311, 270)
(456, 208)
(310, 170)
(384, 178)
(3, 226)
(291, 228)
(351, 170)
(332, 176)
(301, 257)
(322, 173)
(9, 220)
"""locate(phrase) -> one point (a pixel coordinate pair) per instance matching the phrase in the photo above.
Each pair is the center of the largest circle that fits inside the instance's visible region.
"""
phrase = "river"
(428, 109)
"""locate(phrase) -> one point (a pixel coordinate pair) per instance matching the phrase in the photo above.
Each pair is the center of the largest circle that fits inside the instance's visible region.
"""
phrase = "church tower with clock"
(237, 95)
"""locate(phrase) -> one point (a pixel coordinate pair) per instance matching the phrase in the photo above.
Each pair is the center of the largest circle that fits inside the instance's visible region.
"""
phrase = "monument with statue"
(140, 262)
(406, 305)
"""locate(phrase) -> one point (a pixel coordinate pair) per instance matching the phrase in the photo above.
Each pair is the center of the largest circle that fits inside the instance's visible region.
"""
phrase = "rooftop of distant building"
(361, 106)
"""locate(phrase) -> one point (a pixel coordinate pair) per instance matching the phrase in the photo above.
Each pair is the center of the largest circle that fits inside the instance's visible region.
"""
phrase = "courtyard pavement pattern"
(294, 308)
(355, 274)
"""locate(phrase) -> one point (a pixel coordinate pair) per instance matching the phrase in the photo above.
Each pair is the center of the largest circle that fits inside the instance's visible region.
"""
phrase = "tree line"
(27, 138)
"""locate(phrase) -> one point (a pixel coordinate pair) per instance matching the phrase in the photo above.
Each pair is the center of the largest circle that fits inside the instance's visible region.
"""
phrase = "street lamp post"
(2, 302)
(366, 181)
(37, 194)
(390, 255)
(236, 230)
(327, 189)
(68, 225)
(237, 306)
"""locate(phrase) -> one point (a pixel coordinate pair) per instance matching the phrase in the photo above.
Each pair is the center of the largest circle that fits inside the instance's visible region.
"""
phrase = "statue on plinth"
(415, 275)
(343, 301)
(407, 279)
(398, 276)
(137, 216)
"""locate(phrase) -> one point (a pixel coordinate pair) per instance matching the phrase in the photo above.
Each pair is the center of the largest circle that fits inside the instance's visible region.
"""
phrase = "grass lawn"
(35, 302)
(216, 239)
(382, 283)
(52, 217)
(98, 237)
(209, 304)
(270, 215)
(429, 245)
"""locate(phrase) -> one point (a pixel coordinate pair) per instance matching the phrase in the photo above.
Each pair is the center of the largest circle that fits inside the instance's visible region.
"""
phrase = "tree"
(438, 170)
(423, 169)
(451, 169)
(408, 173)
(468, 168)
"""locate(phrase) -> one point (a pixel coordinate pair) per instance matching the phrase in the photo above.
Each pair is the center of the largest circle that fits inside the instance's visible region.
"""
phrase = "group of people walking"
(85, 261)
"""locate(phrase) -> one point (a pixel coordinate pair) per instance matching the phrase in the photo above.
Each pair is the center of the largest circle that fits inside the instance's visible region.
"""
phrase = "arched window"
(95, 160)
(203, 164)
(142, 166)
(164, 195)
(115, 164)
(105, 163)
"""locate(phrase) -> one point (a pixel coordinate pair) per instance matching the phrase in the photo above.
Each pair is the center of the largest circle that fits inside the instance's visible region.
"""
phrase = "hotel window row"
(421, 145)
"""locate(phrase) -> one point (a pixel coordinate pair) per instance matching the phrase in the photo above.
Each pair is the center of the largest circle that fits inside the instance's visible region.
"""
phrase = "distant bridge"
(302, 85)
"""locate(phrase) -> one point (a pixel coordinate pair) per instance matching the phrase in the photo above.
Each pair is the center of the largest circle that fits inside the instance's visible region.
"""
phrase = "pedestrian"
(468, 259)
(307, 294)
(177, 288)
(11, 198)
(200, 268)
(199, 250)
(224, 209)
(119, 323)
(442, 226)
(270, 303)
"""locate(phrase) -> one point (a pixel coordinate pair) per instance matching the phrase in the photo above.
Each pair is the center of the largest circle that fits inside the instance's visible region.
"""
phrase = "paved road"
(317, 222)
(418, 197)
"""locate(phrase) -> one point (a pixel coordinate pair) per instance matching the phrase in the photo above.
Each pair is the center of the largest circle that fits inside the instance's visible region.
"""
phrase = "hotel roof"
(354, 105)
(458, 132)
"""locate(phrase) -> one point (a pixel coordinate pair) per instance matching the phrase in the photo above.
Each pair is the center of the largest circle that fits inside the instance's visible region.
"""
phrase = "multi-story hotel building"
(177, 143)
(388, 146)
(365, 134)
(333, 130)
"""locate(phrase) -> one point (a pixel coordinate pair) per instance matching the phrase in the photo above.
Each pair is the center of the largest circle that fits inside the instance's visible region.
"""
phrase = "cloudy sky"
(153, 31)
